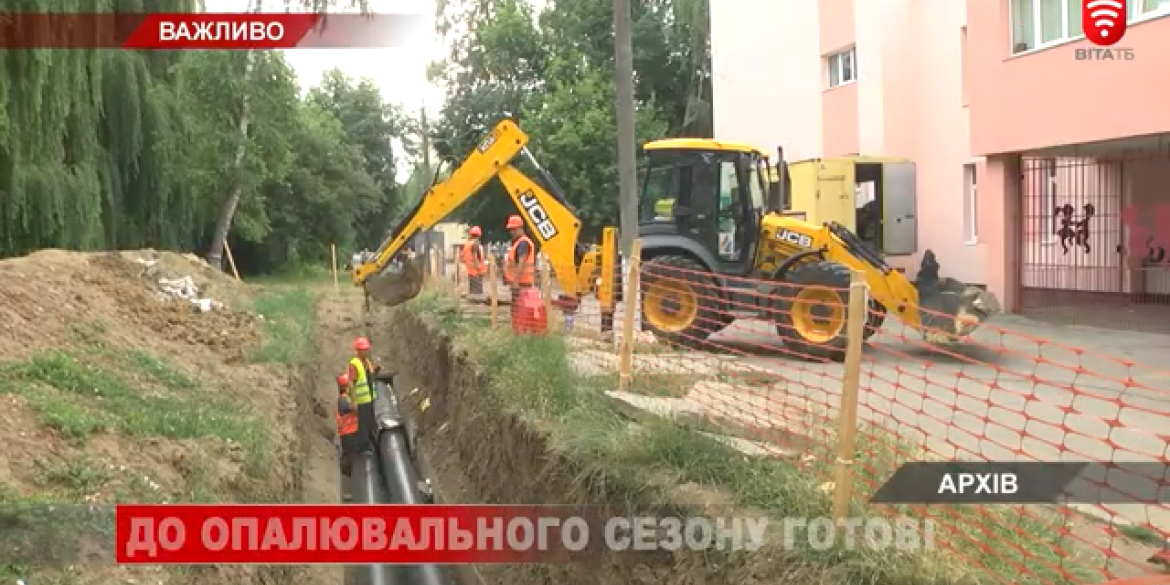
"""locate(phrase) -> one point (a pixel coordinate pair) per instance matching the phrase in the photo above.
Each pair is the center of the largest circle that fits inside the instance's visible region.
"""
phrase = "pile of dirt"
(119, 308)
(50, 294)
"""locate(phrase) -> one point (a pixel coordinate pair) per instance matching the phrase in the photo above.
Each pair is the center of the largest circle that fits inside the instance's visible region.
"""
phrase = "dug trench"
(478, 452)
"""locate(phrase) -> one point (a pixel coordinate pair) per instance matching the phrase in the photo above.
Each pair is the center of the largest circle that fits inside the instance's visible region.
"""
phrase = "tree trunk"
(228, 211)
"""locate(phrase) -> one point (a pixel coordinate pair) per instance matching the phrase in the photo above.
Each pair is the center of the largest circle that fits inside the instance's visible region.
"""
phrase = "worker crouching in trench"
(520, 274)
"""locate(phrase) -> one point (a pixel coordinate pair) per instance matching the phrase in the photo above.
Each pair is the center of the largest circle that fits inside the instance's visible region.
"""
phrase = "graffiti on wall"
(1148, 244)
(1071, 228)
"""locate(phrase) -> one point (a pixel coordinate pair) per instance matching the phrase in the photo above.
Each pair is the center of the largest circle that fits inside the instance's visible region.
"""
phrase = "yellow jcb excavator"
(706, 217)
(549, 217)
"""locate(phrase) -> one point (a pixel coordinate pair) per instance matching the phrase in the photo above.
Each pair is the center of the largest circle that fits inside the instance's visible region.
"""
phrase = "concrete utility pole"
(426, 148)
(624, 96)
(428, 173)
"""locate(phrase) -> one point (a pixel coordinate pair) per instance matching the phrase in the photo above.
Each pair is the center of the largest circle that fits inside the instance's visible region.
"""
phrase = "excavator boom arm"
(494, 152)
(550, 219)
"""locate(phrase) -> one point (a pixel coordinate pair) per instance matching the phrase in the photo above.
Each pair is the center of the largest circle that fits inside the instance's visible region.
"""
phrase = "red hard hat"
(361, 344)
(514, 222)
(475, 231)
(343, 380)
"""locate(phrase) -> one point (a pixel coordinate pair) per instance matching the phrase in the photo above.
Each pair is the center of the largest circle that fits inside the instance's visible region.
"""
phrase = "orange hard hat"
(514, 222)
(475, 231)
(361, 344)
(343, 380)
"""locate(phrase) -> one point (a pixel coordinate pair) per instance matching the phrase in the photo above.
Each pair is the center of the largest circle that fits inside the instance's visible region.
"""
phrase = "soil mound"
(134, 297)
(120, 380)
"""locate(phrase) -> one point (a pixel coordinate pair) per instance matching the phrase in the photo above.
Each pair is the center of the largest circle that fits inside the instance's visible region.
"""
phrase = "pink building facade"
(1041, 166)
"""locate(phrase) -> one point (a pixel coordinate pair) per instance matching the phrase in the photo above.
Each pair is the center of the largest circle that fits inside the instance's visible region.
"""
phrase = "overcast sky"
(400, 72)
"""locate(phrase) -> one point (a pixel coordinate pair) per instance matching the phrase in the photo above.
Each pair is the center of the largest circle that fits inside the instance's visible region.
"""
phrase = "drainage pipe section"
(403, 483)
(365, 484)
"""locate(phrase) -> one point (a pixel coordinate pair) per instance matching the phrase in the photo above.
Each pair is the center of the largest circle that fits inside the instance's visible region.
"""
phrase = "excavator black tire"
(692, 290)
(877, 317)
(816, 287)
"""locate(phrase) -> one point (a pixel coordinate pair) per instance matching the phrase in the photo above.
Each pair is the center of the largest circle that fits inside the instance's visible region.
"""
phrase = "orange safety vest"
(347, 424)
(525, 267)
(473, 258)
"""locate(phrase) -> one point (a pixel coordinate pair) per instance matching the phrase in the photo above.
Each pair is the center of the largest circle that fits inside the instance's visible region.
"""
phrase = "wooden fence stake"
(493, 292)
(630, 309)
(336, 282)
(231, 259)
(546, 288)
(847, 416)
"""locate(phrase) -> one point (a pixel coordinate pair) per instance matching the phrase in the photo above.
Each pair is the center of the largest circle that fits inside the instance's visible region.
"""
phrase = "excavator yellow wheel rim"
(818, 314)
(670, 306)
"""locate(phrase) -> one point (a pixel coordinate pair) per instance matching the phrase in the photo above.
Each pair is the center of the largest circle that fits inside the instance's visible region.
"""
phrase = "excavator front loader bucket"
(399, 283)
(950, 309)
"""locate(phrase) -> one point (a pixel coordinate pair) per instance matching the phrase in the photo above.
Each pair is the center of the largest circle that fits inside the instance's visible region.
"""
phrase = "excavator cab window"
(714, 197)
(660, 193)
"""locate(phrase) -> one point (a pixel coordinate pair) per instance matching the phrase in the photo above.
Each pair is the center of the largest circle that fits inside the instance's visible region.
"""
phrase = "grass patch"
(532, 376)
(298, 274)
(1143, 534)
(90, 391)
(289, 326)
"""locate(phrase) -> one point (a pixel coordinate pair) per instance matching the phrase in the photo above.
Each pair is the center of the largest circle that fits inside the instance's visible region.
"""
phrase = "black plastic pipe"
(365, 484)
(403, 483)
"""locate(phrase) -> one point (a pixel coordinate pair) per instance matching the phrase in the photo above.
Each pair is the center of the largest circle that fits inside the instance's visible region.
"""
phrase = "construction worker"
(347, 431)
(474, 261)
(362, 391)
(519, 263)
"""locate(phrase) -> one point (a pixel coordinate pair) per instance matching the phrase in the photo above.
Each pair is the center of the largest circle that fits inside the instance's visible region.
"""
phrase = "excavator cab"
(704, 197)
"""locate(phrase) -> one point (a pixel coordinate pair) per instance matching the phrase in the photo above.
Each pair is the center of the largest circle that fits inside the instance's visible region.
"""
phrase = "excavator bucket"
(950, 309)
(399, 283)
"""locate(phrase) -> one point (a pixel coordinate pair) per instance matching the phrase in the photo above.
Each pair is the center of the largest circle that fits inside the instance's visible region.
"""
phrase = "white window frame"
(971, 204)
(1136, 8)
(835, 63)
(1048, 186)
(1137, 12)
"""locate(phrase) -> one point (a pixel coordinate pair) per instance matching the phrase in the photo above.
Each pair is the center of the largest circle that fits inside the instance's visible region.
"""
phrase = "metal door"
(899, 209)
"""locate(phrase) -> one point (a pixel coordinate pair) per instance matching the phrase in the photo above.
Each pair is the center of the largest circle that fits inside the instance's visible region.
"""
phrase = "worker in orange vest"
(362, 391)
(474, 261)
(347, 431)
(519, 263)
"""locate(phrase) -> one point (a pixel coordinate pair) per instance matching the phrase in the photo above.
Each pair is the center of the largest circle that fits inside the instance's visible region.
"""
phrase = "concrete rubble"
(182, 288)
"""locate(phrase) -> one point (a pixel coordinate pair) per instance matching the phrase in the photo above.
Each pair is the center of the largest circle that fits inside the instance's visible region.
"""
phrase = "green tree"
(553, 72)
(248, 73)
(103, 149)
(374, 126)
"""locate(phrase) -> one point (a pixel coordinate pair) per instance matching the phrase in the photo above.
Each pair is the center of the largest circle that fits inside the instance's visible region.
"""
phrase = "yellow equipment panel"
(824, 190)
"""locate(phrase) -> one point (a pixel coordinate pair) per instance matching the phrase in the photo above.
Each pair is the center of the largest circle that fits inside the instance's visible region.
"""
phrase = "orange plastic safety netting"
(764, 366)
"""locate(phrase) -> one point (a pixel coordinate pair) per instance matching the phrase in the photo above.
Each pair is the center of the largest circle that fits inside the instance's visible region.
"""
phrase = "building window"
(970, 205)
(1042, 23)
(1143, 9)
(842, 67)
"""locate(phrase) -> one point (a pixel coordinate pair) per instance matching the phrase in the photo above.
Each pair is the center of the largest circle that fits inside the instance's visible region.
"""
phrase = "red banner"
(210, 31)
(346, 534)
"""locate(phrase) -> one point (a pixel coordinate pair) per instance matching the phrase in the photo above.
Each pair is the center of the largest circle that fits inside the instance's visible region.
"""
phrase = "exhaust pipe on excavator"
(949, 309)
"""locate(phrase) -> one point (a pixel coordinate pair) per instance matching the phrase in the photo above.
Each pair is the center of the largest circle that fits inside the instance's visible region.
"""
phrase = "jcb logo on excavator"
(797, 238)
(487, 143)
(538, 215)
